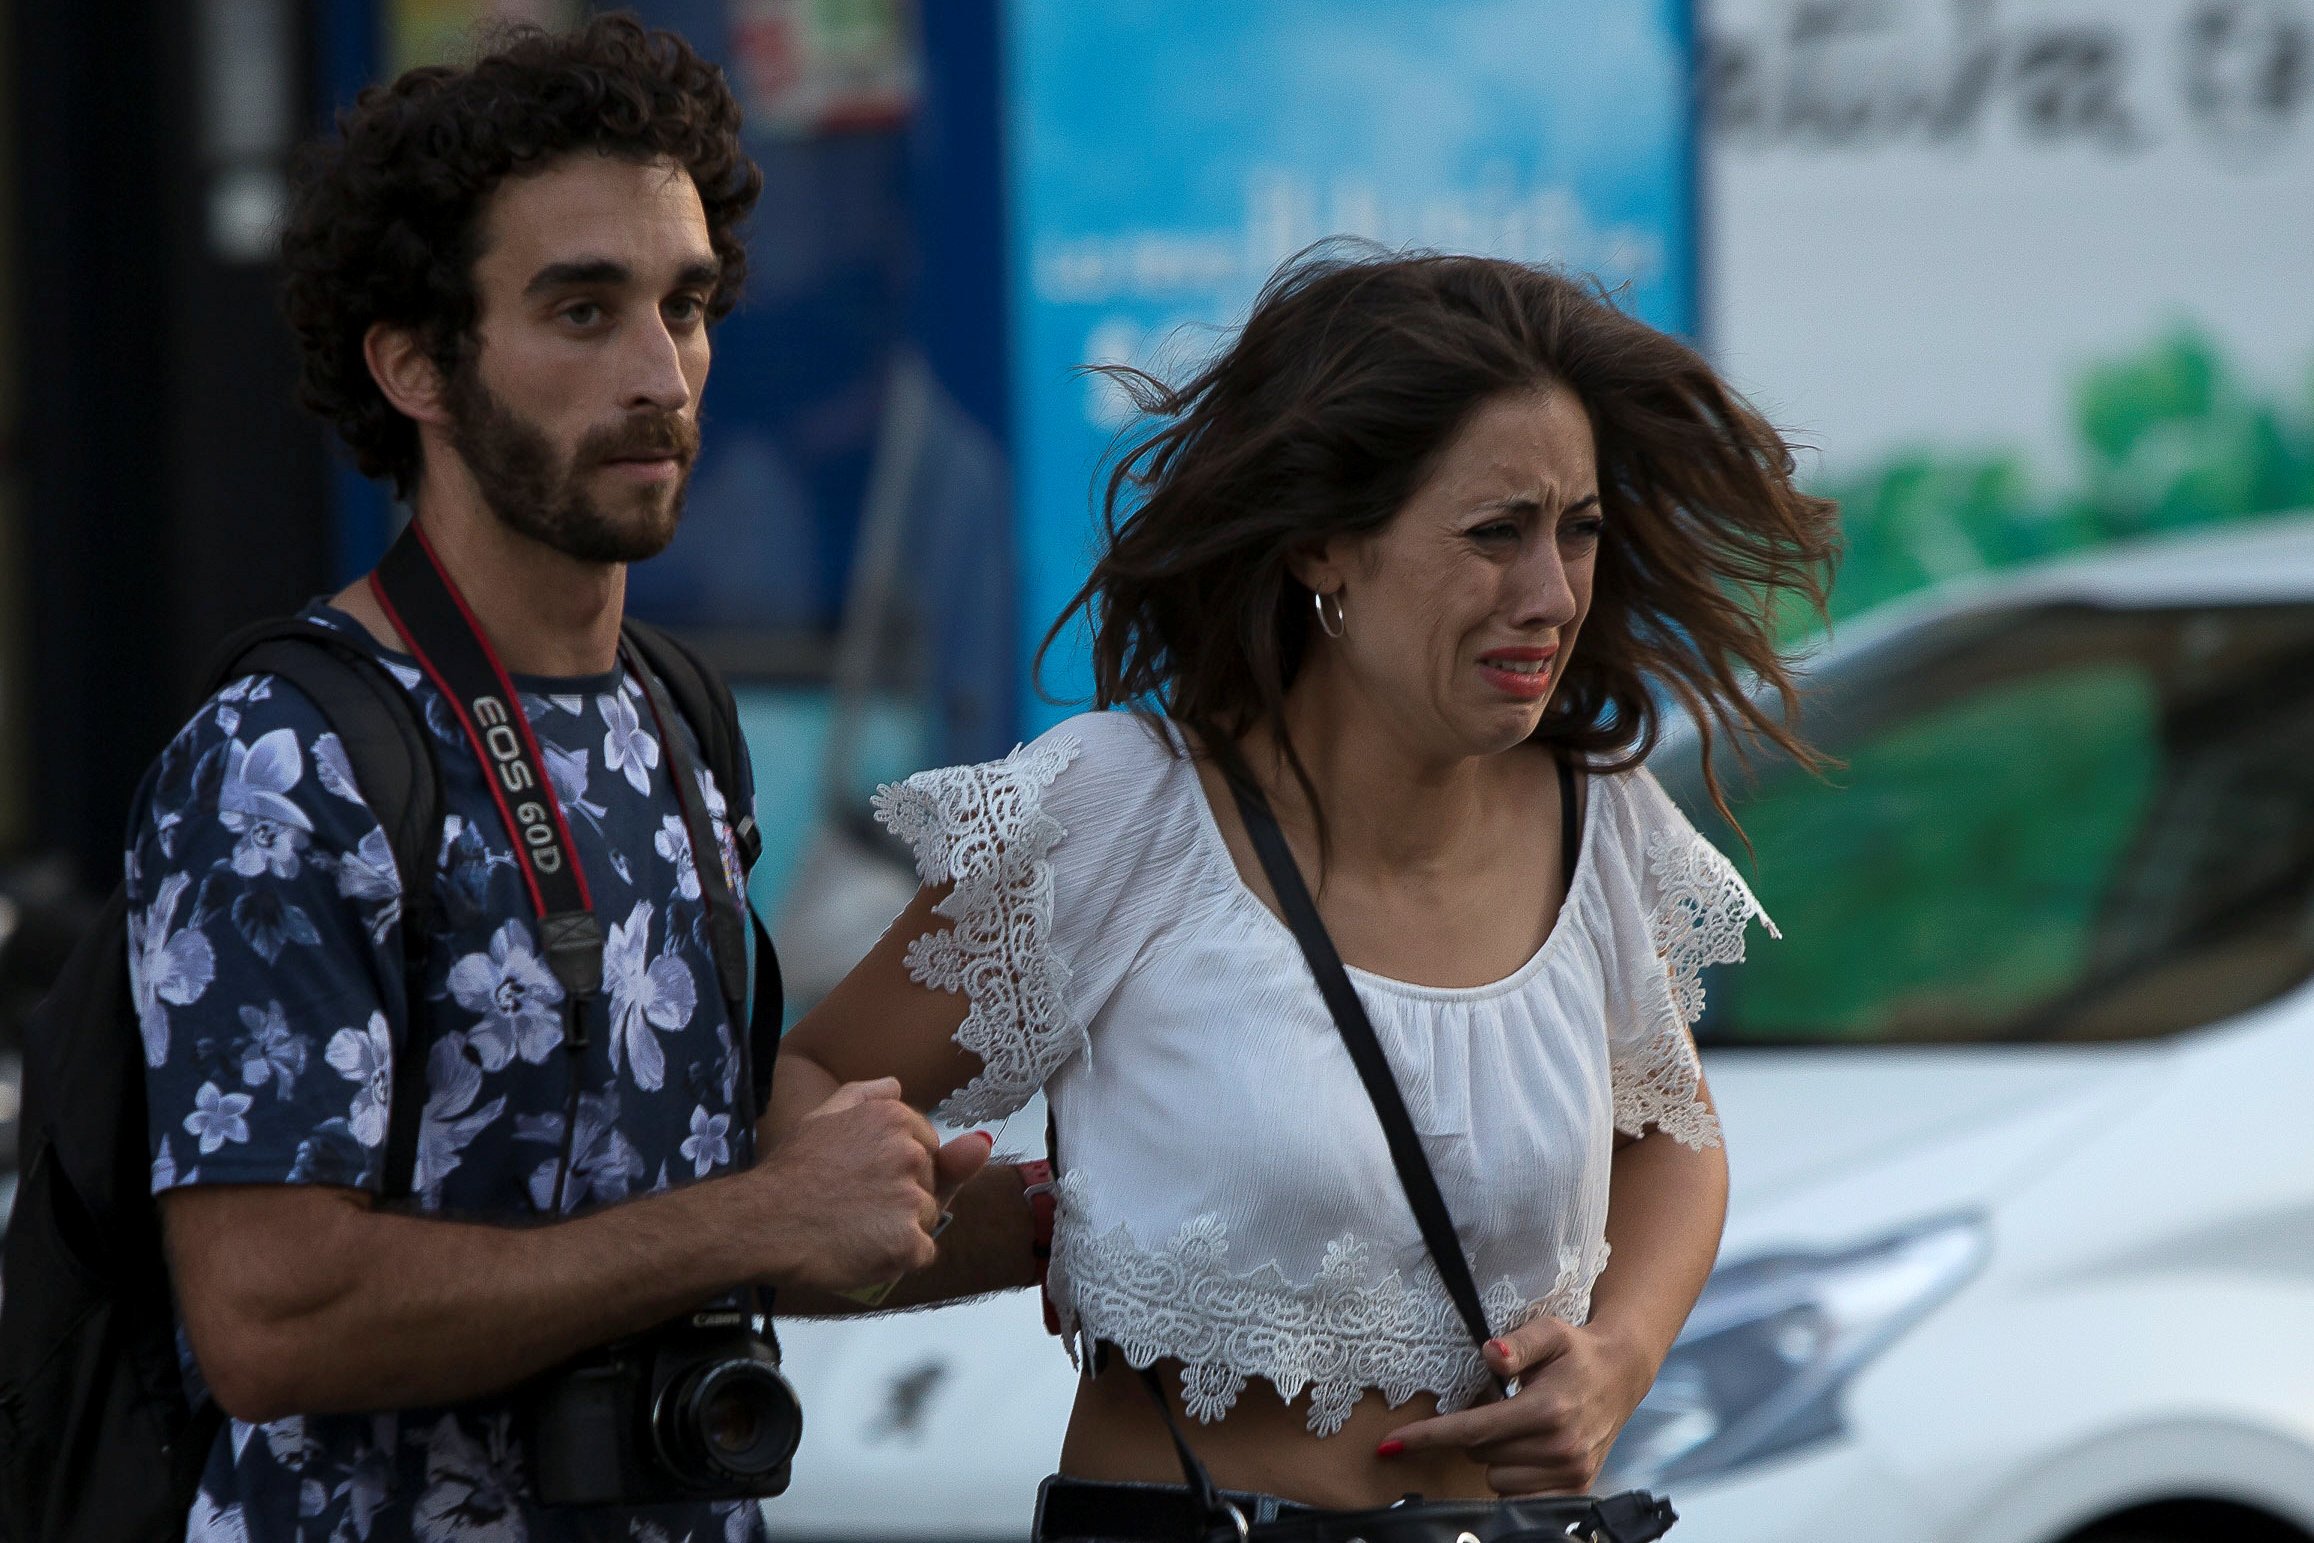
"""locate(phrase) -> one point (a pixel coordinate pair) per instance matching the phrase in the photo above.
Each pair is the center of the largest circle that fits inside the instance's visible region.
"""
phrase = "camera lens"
(730, 1421)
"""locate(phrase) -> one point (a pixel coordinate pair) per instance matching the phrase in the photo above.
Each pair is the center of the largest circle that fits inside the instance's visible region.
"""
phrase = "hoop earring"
(1331, 627)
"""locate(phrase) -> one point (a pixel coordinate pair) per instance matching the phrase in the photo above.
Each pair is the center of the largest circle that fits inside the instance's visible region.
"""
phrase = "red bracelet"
(1036, 1177)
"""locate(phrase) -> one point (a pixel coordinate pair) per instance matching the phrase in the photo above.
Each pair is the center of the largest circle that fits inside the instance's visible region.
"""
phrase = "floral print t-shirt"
(265, 952)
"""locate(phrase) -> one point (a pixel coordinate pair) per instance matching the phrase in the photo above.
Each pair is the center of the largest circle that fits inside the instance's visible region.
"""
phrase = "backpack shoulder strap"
(395, 768)
(374, 718)
(704, 699)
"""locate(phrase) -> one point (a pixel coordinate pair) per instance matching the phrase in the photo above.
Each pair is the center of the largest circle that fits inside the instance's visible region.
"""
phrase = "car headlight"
(1773, 1342)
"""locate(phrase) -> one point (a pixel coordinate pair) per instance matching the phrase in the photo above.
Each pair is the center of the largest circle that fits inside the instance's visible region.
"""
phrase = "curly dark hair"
(383, 214)
(1324, 416)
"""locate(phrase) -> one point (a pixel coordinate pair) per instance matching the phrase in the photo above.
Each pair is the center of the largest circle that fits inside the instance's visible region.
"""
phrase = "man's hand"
(1577, 1387)
(852, 1196)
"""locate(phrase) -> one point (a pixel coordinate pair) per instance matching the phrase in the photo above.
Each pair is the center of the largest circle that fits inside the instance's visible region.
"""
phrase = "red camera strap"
(442, 634)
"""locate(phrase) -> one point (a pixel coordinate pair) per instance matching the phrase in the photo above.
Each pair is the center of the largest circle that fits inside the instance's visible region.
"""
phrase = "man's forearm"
(988, 1247)
(416, 1311)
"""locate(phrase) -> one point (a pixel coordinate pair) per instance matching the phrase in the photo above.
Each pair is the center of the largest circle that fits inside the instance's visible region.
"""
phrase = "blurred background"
(2023, 1239)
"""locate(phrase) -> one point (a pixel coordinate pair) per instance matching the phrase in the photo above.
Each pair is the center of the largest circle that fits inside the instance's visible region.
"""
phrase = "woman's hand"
(1577, 1387)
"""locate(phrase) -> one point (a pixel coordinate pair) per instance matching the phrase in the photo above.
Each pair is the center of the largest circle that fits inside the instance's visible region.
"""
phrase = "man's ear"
(406, 374)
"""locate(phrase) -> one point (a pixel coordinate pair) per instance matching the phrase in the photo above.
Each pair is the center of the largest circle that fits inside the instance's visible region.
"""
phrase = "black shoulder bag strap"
(1406, 1154)
(1628, 1518)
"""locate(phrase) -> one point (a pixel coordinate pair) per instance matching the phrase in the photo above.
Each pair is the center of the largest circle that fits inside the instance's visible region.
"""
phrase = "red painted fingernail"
(1500, 1348)
(1390, 1448)
(987, 1137)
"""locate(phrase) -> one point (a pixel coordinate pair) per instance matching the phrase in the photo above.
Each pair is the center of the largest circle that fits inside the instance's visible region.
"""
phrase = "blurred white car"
(2021, 1115)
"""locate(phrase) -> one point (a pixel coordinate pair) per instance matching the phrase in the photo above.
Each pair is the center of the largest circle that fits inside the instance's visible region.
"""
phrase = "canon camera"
(696, 1409)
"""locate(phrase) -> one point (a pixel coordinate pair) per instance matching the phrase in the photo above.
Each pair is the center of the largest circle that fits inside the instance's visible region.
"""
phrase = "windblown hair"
(1329, 410)
(384, 215)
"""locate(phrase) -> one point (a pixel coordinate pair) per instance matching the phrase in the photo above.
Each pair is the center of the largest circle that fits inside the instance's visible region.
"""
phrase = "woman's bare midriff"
(1264, 1444)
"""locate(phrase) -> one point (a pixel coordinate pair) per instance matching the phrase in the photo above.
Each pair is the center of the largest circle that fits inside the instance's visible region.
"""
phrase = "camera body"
(695, 1409)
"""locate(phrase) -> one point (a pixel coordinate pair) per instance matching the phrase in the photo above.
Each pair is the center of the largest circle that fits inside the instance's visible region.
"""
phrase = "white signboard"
(1927, 221)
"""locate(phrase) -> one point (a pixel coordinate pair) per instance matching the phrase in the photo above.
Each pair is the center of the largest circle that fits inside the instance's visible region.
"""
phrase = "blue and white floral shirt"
(265, 950)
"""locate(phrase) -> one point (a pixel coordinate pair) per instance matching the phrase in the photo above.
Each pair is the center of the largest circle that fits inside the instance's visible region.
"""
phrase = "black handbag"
(1634, 1517)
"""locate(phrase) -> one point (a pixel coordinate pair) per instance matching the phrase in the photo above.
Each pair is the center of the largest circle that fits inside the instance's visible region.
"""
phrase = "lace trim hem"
(984, 830)
(1702, 909)
(1354, 1327)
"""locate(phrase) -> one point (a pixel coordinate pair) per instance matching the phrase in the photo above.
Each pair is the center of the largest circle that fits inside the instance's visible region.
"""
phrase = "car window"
(2057, 824)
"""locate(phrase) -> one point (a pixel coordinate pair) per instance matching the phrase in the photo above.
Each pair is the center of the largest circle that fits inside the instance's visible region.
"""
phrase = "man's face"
(578, 412)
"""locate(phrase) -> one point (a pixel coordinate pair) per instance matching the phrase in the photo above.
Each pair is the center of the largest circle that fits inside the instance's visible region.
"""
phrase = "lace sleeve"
(1696, 908)
(985, 830)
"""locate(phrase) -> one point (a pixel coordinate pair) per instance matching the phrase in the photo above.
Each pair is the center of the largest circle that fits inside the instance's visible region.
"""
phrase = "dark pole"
(94, 362)
(249, 515)
(171, 490)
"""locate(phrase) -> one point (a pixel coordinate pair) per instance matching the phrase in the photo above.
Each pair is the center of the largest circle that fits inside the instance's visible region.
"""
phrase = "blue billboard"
(1164, 156)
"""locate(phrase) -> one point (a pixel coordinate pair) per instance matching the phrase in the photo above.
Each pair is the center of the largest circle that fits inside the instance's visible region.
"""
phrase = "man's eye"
(686, 308)
(584, 313)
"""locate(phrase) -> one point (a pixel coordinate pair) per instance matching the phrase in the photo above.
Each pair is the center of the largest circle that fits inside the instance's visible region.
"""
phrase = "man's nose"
(653, 368)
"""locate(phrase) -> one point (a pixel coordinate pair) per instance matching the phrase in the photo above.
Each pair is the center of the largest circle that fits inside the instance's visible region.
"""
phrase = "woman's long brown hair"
(1323, 417)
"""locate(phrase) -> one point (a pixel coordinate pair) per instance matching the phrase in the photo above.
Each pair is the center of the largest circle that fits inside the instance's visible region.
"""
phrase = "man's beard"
(536, 494)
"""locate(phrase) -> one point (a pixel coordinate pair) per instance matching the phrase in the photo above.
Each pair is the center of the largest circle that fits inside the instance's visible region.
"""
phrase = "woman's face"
(1459, 616)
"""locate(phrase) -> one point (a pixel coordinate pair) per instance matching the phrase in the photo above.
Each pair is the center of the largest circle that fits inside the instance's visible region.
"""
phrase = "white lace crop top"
(1226, 1197)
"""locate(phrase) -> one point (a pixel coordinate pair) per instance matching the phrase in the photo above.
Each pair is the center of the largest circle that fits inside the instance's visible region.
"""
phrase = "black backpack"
(99, 1442)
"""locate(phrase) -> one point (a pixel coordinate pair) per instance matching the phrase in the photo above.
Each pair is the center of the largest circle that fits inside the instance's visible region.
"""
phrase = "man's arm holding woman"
(305, 1298)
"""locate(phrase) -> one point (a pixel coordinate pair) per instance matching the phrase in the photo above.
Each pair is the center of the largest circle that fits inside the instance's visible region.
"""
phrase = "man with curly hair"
(502, 279)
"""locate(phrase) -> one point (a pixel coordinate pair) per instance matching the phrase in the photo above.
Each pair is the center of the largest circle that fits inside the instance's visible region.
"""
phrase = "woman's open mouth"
(1523, 673)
